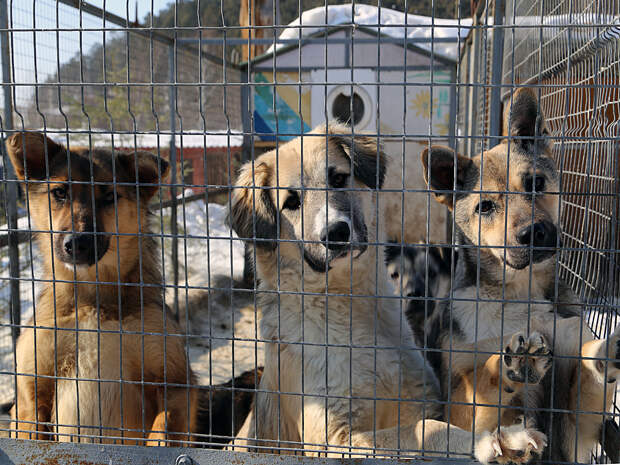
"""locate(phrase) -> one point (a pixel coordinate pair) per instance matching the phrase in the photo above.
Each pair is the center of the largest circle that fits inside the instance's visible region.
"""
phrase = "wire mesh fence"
(366, 233)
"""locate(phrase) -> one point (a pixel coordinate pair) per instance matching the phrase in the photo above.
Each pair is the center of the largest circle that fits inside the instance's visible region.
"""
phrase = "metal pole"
(453, 115)
(495, 126)
(246, 155)
(173, 176)
(11, 187)
(452, 142)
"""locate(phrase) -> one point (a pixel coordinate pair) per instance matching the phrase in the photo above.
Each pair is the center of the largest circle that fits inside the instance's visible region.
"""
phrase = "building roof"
(385, 22)
(146, 140)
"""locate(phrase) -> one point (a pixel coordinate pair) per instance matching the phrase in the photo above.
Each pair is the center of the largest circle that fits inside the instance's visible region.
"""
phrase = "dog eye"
(292, 202)
(538, 186)
(540, 183)
(485, 207)
(60, 193)
(109, 198)
(339, 180)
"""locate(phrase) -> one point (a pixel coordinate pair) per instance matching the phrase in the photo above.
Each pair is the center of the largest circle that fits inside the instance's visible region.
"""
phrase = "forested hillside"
(211, 11)
(103, 102)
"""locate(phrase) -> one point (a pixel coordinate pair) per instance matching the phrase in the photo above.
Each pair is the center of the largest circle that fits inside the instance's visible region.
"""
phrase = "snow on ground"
(218, 317)
(27, 290)
(384, 20)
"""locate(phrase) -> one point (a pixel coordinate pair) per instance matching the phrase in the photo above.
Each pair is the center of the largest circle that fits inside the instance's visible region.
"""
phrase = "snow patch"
(385, 21)
(96, 138)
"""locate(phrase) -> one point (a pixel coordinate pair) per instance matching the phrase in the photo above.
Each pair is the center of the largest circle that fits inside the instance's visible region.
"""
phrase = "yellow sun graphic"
(443, 128)
(421, 104)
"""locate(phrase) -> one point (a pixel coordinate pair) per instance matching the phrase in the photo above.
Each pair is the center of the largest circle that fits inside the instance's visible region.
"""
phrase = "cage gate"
(336, 231)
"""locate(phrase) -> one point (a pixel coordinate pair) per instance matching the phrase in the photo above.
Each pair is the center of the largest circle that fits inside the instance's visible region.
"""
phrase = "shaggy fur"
(71, 355)
(507, 244)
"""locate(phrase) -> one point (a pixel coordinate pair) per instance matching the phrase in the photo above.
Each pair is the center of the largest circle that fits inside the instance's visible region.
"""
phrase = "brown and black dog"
(508, 298)
(102, 359)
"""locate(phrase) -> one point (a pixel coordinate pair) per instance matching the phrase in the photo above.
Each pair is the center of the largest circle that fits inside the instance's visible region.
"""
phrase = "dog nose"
(418, 292)
(541, 234)
(419, 289)
(336, 232)
(81, 247)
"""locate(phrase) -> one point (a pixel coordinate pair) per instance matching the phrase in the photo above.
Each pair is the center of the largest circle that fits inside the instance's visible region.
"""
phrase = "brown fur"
(497, 264)
(70, 304)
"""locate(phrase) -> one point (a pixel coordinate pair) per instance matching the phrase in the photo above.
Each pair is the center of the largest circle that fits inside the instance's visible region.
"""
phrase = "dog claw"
(527, 359)
(497, 448)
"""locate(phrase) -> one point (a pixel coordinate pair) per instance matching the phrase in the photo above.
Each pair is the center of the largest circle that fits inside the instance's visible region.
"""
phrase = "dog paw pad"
(527, 359)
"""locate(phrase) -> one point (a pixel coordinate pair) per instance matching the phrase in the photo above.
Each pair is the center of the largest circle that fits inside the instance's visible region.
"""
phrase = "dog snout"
(419, 289)
(540, 234)
(80, 247)
(335, 234)
(84, 248)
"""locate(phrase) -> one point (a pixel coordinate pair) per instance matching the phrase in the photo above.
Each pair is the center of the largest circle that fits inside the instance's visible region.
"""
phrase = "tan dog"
(506, 213)
(77, 373)
(334, 334)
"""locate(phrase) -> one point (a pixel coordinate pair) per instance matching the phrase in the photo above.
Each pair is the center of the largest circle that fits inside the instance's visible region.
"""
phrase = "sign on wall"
(277, 107)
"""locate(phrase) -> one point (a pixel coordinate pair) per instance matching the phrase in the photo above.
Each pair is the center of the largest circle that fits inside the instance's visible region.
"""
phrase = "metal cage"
(206, 95)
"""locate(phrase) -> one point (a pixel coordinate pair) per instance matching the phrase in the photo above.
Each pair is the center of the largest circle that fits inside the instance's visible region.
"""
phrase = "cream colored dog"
(342, 373)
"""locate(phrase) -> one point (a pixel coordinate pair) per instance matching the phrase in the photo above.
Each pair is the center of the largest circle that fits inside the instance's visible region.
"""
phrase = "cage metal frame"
(485, 76)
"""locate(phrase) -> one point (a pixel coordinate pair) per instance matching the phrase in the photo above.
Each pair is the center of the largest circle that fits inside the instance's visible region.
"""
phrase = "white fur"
(482, 317)
(321, 220)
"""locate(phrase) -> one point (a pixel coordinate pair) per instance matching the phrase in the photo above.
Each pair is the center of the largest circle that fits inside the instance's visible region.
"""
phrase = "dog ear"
(525, 122)
(445, 258)
(369, 160)
(28, 152)
(151, 170)
(391, 251)
(438, 163)
(252, 212)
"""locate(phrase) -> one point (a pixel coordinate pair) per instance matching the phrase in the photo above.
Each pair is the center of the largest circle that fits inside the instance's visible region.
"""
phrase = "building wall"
(407, 114)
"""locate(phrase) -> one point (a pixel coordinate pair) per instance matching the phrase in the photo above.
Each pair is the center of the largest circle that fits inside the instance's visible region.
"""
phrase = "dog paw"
(527, 359)
(512, 444)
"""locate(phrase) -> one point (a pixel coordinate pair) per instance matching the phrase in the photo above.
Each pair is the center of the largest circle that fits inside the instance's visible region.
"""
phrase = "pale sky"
(52, 47)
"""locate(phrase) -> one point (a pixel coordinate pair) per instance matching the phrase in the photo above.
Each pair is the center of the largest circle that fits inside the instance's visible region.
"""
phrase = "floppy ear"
(438, 162)
(151, 169)
(525, 122)
(369, 160)
(252, 212)
(28, 152)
